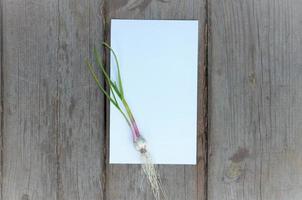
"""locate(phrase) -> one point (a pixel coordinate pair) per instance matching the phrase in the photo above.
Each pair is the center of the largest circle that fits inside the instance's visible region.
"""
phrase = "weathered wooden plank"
(1, 94)
(29, 85)
(255, 71)
(80, 114)
(181, 182)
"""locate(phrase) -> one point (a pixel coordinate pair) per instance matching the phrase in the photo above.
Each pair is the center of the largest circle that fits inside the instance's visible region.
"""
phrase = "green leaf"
(107, 78)
(113, 101)
(100, 65)
(118, 69)
(99, 84)
(116, 89)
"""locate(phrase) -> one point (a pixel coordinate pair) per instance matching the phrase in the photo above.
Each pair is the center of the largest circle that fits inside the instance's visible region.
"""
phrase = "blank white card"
(158, 60)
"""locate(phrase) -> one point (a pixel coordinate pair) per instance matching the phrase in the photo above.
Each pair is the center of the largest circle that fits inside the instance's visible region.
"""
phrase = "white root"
(153, 177)
(150, 170)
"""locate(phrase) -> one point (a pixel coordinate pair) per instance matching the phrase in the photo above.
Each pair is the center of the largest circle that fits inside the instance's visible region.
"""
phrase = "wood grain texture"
(181, 182)
(80, 105)
(1, 96)
(52, 111)
(29, 83)
(255, 96)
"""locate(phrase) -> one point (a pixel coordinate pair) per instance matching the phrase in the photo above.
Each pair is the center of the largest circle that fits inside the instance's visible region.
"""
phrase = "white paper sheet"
(158, 60)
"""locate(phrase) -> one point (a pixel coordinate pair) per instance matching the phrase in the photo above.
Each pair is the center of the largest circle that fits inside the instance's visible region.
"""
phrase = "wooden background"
(54, 137)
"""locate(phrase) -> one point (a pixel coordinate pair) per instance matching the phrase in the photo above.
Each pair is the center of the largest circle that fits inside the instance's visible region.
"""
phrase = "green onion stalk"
(117, 98)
